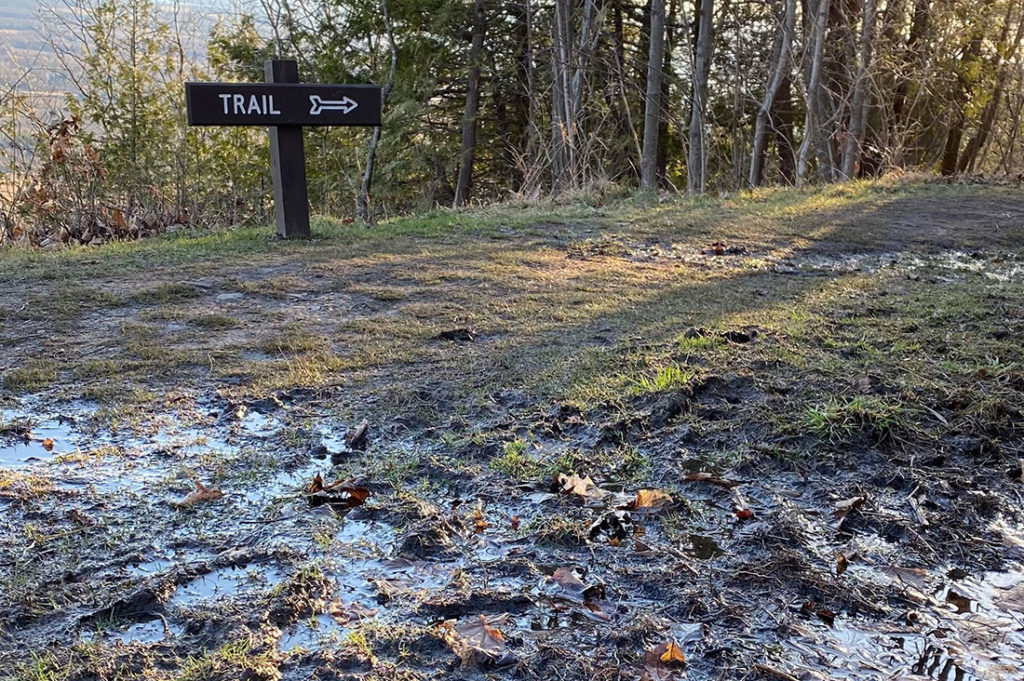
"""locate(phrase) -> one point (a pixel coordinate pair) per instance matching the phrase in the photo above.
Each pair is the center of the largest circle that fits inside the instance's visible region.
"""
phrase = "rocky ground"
(769, 437)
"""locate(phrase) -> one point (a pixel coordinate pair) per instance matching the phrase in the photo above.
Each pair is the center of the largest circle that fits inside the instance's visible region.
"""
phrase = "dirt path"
(780, 433)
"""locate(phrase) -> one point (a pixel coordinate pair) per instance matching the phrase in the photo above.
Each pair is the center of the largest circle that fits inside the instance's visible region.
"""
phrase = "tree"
(652, 101)
(696, 178)
(779, 75)
(812, 125)
(472, 105)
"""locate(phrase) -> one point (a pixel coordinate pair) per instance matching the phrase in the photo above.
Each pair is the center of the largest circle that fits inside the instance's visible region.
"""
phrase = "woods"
(487, 100)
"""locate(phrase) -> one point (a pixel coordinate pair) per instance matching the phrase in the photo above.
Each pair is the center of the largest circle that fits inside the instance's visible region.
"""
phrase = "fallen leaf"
(613, 527)
(650, 498)
(844, 507)
(337, 493)
(841, 564)
(744, 513)
(703, 476)
(479, 522)
(343, 613)
(514, 523)
(357, 437)
(199, 494)
(663, 661)
(476, 641)
(48, 444)
(825, 615)
(574, 484)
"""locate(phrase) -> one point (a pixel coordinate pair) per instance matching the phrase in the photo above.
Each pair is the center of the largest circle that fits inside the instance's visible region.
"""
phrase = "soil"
(762, 438)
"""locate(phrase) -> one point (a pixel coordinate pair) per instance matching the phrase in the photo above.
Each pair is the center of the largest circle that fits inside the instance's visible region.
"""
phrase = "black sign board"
(285, 106)
(282, 104)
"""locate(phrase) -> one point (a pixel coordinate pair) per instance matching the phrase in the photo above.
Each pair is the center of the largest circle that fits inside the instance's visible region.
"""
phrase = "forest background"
(489, 100)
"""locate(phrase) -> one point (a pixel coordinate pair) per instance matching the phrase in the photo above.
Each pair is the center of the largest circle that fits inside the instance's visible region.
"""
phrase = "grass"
(841, 419)
(665, 378)
(576, 306)
(516, 461)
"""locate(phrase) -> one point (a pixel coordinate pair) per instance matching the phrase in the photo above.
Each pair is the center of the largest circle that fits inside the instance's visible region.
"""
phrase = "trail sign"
(285, 105)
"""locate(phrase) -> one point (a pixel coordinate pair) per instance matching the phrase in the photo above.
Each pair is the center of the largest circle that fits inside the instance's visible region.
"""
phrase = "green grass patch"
(842, 419)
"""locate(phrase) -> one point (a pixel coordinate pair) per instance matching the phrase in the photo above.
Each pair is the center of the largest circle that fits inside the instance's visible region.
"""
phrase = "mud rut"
(883, 561)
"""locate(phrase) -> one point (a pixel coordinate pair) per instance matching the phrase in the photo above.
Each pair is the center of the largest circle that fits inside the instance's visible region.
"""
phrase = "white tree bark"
(782, 66)
(652, 106)
(811, 119)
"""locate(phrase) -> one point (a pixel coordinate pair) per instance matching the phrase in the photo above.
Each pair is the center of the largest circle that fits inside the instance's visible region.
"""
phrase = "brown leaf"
(825, 615)
(476, 641)
(841, 564)
(650, 498)
(703, 476)
(199, 494)
(514, 523)
(47, 444)
(338, 493)
(479, 522)
(566, 577)
(662, 662)
(574, 484)
(343, 613)
(357, 437)
(847, 505)
(744, 513)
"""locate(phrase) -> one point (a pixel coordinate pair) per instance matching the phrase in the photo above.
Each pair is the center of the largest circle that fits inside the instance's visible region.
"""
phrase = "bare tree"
(652, 105)
(811, 123)
(697, 161)
(859, 103)
(364, 210)
(1002, 67)
(780, 71)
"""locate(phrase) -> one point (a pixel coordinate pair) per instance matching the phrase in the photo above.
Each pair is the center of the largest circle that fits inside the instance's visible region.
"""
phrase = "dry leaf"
(847, 505)
(662, 661)
(199, 494)
(343, 613)
(650, 498)
(476, 641)
(48, 444)
(479, 522)
(574, 484)
(703, 476)
(841, 564)
(357, 437)
(514, 523)
(744, 513)
(337, 493)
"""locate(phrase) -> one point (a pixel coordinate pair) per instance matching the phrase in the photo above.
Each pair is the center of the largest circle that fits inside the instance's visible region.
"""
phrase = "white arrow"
(344, 105)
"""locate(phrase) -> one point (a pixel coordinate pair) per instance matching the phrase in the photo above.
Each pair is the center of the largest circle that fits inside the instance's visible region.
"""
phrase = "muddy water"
(226, 561)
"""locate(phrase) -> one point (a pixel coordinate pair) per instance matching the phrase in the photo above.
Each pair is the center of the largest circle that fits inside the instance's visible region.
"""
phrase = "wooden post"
(288, 163)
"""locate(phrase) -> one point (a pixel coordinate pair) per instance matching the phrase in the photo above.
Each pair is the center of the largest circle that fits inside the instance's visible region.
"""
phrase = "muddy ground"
(770, 437)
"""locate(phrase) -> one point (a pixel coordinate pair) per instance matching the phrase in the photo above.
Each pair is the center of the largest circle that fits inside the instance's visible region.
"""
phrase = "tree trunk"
(780, 71)
(652, 101)
(783, 115)
(559, 94)
(954, 136)
(858, 104)
(465, 180)
(988, 115)
(364, 210)
(697, 160)
(813, 86)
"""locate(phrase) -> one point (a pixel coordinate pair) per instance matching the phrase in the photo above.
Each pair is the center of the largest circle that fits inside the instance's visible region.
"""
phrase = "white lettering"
(239, 102)
(225, 99)
(271, 109)
(254, 105)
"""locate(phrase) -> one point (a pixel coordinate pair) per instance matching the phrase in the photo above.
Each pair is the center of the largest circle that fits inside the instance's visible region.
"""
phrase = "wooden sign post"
(285, 106)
